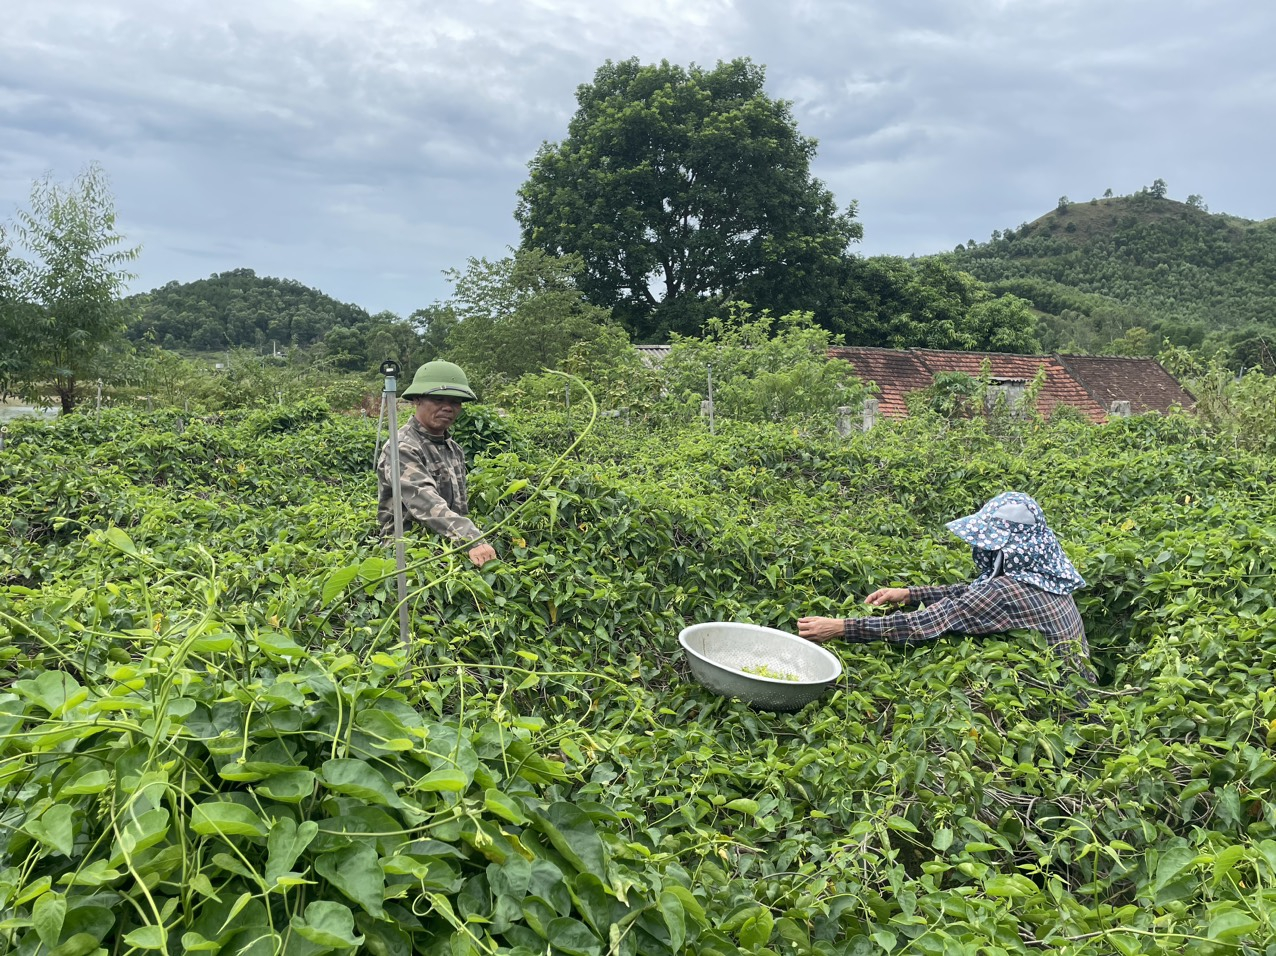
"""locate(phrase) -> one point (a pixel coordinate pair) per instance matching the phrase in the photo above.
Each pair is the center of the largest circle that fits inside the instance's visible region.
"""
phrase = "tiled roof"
(1143, 382)
(1088, 383)
(896, 372)
(1059, 388)
(899, 372)
(653, 354)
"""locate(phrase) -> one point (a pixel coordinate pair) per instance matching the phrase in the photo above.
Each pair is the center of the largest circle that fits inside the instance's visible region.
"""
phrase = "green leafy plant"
(211, 739)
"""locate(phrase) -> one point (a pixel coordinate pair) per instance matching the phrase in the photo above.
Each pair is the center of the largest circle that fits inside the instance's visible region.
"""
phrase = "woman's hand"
(888, 596)
(819, 629)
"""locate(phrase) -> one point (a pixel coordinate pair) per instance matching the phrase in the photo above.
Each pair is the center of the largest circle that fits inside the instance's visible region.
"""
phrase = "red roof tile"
(1143, 382)
(896, 373)
(899, 372)
(1059, 388)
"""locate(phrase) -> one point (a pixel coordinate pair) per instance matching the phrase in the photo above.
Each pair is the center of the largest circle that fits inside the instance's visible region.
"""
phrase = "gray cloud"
(363, 147)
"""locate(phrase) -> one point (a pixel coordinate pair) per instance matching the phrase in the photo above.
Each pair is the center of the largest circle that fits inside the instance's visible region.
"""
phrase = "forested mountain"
(1122, 274)
(238, 309)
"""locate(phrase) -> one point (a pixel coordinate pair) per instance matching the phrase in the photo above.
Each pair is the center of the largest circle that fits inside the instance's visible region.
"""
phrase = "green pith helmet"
(442, 379)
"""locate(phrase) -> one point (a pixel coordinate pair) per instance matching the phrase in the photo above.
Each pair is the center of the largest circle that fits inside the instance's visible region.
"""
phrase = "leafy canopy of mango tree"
(682, 189)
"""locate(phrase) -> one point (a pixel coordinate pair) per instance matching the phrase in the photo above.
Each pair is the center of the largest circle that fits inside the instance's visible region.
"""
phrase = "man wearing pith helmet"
(431, 464)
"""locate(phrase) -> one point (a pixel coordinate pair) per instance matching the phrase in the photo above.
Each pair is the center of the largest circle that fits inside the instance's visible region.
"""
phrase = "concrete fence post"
(872, 411)
(844, 426)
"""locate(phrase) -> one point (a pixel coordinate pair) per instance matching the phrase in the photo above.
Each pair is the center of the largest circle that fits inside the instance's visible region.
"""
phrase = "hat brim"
(981, 532)
(441, 391)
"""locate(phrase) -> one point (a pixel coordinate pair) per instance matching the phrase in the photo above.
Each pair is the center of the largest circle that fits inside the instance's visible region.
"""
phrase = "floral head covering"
(1009, 535)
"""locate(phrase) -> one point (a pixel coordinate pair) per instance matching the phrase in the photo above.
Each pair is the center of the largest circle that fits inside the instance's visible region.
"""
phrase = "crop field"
(212, 739)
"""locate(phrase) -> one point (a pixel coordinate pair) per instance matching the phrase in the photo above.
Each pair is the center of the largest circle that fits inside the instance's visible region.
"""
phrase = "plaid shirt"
(998, 604)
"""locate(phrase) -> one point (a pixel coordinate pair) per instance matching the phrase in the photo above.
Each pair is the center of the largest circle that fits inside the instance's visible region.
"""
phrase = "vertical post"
(844, 421)
(390, 397)
(148, 404)
(4, 430)
(709, 368)
(99, 396)
(279, 397)
(872, 409)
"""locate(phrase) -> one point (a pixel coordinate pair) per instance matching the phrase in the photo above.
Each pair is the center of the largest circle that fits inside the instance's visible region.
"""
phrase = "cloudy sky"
(363, 146)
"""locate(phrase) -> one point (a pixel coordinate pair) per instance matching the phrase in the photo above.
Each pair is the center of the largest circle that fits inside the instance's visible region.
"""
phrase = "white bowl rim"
(759, 628)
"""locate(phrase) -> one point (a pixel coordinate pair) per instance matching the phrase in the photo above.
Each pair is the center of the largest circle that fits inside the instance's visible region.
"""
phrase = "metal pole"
(710, 368)
(390, 398)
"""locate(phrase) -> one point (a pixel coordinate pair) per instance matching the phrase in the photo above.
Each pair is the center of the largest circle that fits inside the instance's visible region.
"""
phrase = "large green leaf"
(328, 924)
(573, 937)
(359, 779)
(503, 806)
(54, 828)
(47, 916)
(285, 844)
(137, 833)
(54, 691)
(222, 818)
(338, 581)
(356, 872)
(675, 918)
(446, 779)
(288, 787)
(572, 834)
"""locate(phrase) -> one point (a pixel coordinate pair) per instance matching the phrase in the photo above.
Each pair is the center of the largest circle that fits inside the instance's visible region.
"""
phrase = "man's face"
(437, 414)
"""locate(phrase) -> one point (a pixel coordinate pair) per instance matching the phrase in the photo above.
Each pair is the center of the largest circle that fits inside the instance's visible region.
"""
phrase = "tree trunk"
(66, 394)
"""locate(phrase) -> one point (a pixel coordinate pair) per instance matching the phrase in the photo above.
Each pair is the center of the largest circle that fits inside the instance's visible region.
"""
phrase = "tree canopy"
(518, 315)
(683, 189)
(59, 304)
(894, 303)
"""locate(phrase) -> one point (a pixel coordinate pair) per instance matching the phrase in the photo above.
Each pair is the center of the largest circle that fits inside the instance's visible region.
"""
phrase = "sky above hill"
(364, 146)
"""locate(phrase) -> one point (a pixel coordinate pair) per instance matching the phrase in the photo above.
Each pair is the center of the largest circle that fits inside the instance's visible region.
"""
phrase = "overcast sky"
(363, 146)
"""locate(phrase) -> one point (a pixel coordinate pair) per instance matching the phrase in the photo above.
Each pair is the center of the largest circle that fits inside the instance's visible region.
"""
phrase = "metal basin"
(721, 654)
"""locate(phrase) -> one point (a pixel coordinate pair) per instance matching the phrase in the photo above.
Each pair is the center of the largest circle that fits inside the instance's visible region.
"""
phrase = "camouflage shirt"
(432, 485)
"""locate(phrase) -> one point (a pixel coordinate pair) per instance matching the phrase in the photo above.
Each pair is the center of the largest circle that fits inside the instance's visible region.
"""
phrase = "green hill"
(237, 309)
(1095, 270)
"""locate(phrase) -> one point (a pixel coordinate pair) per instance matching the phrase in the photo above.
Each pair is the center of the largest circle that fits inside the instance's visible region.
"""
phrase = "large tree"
(684, 189)
(59, 304)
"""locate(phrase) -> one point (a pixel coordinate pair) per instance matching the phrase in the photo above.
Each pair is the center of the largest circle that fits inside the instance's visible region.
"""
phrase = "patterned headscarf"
(1012, 527)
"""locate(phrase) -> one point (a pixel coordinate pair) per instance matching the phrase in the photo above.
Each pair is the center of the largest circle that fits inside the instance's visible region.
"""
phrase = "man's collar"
(437, 439)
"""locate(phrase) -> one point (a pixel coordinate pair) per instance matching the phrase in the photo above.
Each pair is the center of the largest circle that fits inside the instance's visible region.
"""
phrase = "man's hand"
(819, 629)
(888, 596)
(481, 554)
